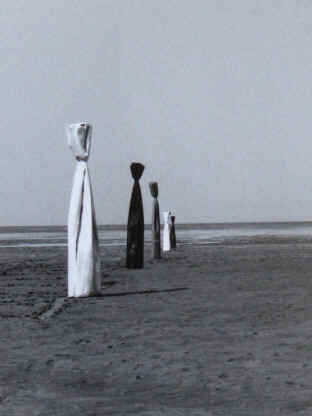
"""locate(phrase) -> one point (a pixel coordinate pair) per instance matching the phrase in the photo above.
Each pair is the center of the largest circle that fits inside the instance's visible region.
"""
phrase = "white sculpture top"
(167, 217)
(79, 139)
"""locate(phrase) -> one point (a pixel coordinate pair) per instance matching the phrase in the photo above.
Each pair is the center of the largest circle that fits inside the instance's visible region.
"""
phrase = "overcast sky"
(214, 97)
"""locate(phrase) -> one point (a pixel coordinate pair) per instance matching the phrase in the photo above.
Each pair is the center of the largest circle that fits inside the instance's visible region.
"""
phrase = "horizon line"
(148, 226)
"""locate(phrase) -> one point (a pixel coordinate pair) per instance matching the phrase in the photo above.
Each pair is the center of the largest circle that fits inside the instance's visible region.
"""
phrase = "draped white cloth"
(166, 232)
(84, 265)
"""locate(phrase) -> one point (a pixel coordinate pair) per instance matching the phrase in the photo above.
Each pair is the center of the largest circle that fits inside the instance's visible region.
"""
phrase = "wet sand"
(207, 330)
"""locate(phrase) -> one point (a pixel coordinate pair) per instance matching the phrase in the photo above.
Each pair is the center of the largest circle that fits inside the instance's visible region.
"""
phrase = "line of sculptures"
(84, 263)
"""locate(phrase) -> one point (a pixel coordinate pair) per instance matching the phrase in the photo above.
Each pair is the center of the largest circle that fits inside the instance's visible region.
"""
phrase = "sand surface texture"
(208, 330)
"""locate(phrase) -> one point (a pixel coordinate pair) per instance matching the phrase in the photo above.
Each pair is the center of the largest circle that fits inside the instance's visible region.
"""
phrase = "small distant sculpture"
(135, 229)
(166, 232)
(173, 241)
(156, 251)
(84, 265)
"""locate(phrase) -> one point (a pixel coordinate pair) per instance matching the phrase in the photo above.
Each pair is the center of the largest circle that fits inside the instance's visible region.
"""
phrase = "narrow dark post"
(173, 241)
(156, 254)
(135, 229)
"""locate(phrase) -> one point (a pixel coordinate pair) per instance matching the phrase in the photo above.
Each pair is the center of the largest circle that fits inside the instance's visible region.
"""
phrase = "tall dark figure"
(156, 252)
(173, 241)
(135, 229)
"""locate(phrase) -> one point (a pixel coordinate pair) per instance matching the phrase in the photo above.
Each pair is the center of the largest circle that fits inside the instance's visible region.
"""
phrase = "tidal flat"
(210, 329)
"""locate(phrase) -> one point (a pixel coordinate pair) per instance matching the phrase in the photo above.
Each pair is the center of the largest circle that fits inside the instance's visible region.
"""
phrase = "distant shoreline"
(181, 226)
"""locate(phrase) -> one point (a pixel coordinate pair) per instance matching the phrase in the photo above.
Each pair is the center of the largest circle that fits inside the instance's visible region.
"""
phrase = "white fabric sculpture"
(84, 266)
(166, 232)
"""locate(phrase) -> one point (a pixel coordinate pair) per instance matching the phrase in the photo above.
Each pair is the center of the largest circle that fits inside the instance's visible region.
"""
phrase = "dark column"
(135, 229)
(156, 252)
(173, 241)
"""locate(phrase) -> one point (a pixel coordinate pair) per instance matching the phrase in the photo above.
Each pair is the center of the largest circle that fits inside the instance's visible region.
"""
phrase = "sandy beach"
(208, 330)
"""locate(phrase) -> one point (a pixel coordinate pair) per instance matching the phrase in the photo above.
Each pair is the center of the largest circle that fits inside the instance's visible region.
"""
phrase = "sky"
(214, 97)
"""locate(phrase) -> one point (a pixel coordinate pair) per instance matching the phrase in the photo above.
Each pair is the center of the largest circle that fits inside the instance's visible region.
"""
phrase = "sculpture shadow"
(142, 292)
(109, 283)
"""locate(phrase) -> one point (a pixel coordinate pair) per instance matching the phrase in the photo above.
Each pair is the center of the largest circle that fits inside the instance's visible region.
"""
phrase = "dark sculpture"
(135, 229)
(173, 241)
(156, 251)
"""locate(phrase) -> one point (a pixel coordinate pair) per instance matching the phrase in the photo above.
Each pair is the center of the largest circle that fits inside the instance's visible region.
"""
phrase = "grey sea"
(115, 235)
